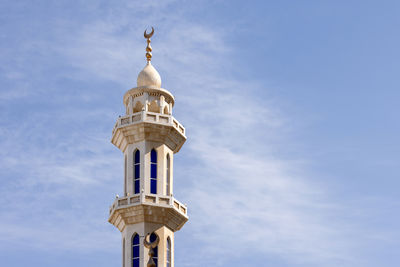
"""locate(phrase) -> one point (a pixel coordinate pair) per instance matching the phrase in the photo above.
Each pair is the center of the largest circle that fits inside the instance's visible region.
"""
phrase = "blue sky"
(291, 110)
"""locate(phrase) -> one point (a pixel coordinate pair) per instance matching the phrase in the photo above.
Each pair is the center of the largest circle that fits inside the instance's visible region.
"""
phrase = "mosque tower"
(148, 135)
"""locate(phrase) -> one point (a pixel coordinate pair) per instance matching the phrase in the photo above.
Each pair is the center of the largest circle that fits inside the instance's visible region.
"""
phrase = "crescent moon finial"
(148, 47)
(153, 244)
(148, 35)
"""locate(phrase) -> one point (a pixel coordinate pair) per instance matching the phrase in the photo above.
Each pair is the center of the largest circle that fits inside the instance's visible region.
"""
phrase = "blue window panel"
(156, 252)
(153, 237)
(153, 171)
(137, 156)
(137, 171)
(135, 251)
(153, 156)
(153, 186)
(137, 186)
(135, 240)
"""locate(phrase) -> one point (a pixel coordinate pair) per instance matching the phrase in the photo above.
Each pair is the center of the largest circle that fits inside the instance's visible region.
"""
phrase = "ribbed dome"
(149, 77)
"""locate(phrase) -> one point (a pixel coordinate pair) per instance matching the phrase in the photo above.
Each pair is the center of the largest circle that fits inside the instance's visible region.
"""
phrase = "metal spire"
(148, 47)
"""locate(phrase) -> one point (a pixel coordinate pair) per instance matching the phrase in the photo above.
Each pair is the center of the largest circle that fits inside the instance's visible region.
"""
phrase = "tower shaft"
(148, 136)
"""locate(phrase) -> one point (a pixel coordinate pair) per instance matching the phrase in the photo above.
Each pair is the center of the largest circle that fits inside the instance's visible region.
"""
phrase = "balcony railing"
(145, 116)
(149, 199)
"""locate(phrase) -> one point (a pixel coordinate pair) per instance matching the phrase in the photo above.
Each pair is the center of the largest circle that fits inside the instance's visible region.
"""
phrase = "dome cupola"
(149, 76)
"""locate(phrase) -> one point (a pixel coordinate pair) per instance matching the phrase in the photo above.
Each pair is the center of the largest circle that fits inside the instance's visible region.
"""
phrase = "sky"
(291, 110)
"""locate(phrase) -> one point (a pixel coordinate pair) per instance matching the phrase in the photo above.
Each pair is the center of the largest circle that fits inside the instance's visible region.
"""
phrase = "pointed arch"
(138, 107)
(168, 178)
(125, 176)
(166, 110)
(153, 107)
(153, 238)
(135, 250)
(136, 177)
(153, 171)
(123, 252)
(168, 247)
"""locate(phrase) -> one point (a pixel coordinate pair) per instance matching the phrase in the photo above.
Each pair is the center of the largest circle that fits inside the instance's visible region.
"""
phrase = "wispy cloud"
(243, 196)
(238, 178)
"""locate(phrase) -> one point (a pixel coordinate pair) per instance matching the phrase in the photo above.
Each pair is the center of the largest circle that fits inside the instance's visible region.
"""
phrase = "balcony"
(148, 208)
(148, 199)
(148, 126)
(152, 117)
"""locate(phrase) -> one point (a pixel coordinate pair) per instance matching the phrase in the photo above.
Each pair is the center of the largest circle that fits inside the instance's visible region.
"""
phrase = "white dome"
(149, 77)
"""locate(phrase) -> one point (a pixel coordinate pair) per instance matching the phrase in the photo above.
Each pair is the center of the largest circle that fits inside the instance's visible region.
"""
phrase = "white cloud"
(239, 189)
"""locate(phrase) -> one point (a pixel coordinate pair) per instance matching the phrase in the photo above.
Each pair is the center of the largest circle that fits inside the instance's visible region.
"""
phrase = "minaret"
(148, 136)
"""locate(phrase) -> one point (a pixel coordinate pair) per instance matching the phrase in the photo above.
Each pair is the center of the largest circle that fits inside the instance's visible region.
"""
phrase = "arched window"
(123, 252)
(138, 107)
(153, 107)
(125, 176)
(168, 184)
(135, 251)
(168, 252)
(166, 110)
(153, 238)
(136, 182)
(153, 171)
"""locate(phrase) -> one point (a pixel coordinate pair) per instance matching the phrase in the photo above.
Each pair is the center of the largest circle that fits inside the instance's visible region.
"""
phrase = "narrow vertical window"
(153, 171)
(123, 252)
(135, 251)
(168, 252)
(153, 238)
(168, 189)
(136, 182)
(125, 177)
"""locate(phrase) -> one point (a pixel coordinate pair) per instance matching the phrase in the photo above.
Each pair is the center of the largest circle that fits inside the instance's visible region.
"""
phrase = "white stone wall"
(148, 125)
(142, 229)
(145, 148)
